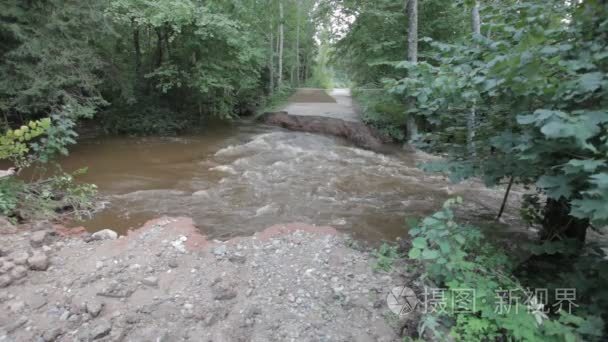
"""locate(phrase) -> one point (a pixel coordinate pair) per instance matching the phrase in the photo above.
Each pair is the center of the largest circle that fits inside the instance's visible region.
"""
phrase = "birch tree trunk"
(298, 43)
(281, 43)
(271, 60)
(471, 119)
(412, 55)
(476, 19)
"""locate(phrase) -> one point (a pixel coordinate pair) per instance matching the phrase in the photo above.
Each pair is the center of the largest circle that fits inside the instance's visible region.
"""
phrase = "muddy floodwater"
(239, 179)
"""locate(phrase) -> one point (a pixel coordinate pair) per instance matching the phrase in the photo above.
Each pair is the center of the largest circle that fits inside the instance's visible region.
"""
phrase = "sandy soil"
(166, 282)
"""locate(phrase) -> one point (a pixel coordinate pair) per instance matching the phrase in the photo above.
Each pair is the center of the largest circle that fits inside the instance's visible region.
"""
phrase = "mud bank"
(356, 132)
(166, 282)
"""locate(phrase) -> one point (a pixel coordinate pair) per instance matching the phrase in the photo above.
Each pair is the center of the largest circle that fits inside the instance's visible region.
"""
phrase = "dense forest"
(150, 66)
(511, 92)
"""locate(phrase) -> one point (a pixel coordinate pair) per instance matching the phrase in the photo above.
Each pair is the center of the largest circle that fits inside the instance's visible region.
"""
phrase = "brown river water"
(239, 179)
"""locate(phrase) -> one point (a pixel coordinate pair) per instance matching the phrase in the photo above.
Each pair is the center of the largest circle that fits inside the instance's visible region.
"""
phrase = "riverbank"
(166, 282)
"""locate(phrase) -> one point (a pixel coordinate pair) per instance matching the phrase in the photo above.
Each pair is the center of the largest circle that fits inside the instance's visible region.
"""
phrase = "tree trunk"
(281, 42)
(159, 57)
(271, 61)
(558, 224)
(136, 45)
(167, 45)
(476, 28)
(298, 43)
(412, 56)
(476, 19)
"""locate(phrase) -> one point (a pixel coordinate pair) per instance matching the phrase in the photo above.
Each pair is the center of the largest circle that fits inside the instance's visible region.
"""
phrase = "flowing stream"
(239, 179)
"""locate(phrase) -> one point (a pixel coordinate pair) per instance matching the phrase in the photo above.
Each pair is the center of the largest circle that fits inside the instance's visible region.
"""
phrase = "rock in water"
(38, 262)
(106, 234)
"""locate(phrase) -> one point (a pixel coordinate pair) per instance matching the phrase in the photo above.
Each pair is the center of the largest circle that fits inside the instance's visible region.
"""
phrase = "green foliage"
(47, 58)
(377, 36)
(163, 59)
(147, 120)
(386, 255)
(382, 111)
(15, 145)
(537, 82)
(45, 199)
(275, 101)
(9, 191)
(456, 257)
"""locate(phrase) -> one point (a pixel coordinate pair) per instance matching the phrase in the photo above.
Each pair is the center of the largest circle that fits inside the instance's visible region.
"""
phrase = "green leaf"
(414, 253)
(444, 246)
(555, 186)
(587, 165)
(459, 238)
(591, 81)
(430, 254)
(419, 242)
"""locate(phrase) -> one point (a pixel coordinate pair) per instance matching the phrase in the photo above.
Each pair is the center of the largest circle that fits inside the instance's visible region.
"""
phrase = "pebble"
(6, 266)
(102, 329)
(52, 334)
(64, 316)
(94, 308)
(19, 258)
(150, 281)
(38, 262)
(16, 306)
(220, 250)
(106, 234)
(19, 272)
(39, 238)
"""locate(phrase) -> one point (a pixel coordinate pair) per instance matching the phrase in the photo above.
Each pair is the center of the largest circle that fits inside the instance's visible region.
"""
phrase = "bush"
(484, 300)
(9, 191)
(47, 198)
(382, 111)
(149, 120)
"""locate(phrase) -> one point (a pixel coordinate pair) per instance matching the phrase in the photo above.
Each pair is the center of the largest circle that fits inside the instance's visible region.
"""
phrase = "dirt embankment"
(166, 282)
(356, 132)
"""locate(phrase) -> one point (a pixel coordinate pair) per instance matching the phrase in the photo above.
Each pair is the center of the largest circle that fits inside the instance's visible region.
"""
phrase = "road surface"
(337, 104)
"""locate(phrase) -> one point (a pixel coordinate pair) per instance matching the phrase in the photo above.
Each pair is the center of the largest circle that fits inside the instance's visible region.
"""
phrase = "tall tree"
(271, 59)
(412, 55)
(476, 28)
(281, 42)
(297, 84)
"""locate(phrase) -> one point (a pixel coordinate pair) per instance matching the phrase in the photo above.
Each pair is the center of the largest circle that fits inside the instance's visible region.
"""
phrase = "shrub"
(485, 301)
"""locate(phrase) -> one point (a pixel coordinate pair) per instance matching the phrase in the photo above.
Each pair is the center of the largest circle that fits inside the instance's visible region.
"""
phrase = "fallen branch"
(504, 200)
